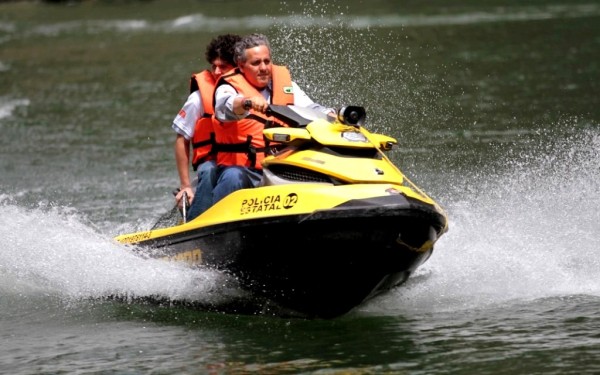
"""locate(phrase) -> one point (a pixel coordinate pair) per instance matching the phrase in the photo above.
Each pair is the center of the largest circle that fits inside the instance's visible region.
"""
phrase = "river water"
(496, 106)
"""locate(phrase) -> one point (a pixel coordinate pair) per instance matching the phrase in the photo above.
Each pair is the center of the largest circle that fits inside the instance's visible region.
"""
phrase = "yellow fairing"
(348, 169)
(351, 170)
(328, 133)
(286, 135)
(281, 200)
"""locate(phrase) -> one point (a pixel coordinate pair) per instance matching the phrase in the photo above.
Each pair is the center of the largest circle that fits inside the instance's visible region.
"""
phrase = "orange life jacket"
(204, 135)
(242, 142)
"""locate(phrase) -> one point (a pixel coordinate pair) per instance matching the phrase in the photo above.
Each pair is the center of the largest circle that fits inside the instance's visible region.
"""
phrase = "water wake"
(52, 251)
(526, 232)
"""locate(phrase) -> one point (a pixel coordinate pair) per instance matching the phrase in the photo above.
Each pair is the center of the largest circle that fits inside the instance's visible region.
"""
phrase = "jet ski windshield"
(295, 116)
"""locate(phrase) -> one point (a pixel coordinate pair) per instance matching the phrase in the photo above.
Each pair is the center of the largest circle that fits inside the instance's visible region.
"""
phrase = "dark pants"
(232, 178)
(207, 179)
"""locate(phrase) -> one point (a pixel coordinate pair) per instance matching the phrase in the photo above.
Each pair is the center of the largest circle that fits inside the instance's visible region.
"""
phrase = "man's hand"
(257, 103)
(189, 195)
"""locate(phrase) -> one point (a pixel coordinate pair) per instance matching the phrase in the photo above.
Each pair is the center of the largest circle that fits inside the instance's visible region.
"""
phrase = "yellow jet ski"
(333, 223)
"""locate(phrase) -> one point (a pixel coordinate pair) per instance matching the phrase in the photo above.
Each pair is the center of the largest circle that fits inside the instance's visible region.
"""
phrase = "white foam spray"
(526, 233)
(53, 251)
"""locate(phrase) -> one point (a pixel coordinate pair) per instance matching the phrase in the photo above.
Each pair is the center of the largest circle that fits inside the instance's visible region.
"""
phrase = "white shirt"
(226, 93)
(185, 121)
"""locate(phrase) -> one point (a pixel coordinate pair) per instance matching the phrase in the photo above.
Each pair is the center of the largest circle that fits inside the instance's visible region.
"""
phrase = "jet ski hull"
(319, 264)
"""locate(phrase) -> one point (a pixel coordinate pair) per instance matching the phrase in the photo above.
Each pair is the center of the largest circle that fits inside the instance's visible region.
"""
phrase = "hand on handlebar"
(189, 195)
(257, 103)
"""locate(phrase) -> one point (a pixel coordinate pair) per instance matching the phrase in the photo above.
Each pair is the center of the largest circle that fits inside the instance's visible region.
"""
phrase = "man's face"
(257, 68)
(219, 66)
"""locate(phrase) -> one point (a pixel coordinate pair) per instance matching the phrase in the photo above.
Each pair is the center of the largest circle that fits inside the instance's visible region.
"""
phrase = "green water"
(496, 106)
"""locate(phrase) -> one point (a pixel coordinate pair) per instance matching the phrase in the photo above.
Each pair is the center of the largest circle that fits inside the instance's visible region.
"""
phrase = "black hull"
(323, 264)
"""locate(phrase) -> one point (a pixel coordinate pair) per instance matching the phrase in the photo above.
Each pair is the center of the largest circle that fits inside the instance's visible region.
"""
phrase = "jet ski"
(332, 224)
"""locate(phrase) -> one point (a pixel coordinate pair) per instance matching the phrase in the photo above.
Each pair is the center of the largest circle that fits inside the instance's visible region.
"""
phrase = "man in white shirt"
(193, 125)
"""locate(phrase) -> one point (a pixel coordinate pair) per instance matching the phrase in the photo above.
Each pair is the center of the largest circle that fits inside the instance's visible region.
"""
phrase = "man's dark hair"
(222, 47)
